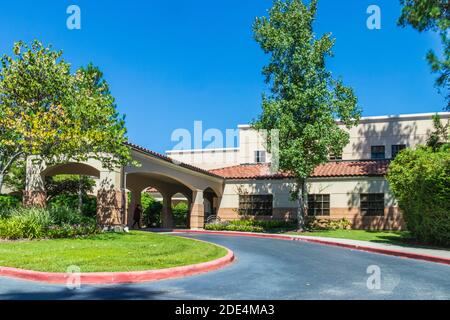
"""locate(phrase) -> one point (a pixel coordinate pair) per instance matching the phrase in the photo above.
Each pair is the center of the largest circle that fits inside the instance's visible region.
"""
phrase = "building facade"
(352, 185)
(237, 181)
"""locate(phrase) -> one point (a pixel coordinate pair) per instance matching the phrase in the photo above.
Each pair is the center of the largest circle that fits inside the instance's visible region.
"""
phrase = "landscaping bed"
(108, 252)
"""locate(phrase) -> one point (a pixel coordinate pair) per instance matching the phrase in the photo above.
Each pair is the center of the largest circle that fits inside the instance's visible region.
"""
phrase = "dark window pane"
(377, 152)
(372, 204)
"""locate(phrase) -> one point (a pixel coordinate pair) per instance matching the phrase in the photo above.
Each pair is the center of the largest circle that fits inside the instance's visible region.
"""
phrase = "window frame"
(256, 204)
(260, 156)
(372, 152)
(335, 157)
(372, 204)
(400, 148)
(320, 203)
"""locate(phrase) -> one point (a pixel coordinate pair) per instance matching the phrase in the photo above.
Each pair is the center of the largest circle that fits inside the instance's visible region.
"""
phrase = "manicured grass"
(108, 252)
(394, 237)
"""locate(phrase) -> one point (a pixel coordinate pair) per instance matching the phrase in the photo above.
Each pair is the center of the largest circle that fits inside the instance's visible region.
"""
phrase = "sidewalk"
(415, 250)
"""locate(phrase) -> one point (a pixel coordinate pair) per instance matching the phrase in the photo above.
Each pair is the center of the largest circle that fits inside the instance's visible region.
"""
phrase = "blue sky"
(170, 63)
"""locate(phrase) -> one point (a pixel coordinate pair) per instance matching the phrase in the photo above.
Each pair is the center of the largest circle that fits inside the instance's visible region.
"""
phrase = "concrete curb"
(390, 252)
(120, 277)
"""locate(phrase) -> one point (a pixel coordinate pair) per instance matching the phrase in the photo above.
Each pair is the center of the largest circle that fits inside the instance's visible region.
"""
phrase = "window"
(377, 152)
(372, 204)
(255, 205)
(260, 156)
(318, 205)
(396, 148)
(335, 157)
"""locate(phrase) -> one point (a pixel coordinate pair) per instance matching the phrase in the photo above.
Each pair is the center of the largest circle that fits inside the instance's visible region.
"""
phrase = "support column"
(111, 200)
(197, 220)
(167, 215)
(34, 194)
(135, 199)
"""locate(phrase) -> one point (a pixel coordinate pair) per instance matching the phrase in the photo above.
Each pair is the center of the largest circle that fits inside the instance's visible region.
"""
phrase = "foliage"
(47, 111)
(180, 214)
(7, 201)
(434, 15)
(440, 135)
(15, 179)
(328, 224)
(304, 99)
(151, 210)
(89, 206)
(251, 225)
(35, 223)
(420, 181)
(265, 224)
(66, 184)
(232, 227)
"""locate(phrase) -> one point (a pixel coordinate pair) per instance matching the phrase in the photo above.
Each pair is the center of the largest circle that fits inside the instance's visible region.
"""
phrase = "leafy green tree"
(434, 15)
(440, 136)
(305, 100)
(48, 112)
(420, 180)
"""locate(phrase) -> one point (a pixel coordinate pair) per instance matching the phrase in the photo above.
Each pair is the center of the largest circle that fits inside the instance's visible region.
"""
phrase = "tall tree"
(49, 112)
(304, 100)
(433, 15)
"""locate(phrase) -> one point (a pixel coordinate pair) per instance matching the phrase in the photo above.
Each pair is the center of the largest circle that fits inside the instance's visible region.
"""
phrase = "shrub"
(7, 201)
(151, 210)
(420, 181)
(33, 223)
(265, 224)
(89, 207)
(250, 225)
(24, 223)
(180, 212)
(66, 215)
(313, 223)
(70, 231)
(231, 227)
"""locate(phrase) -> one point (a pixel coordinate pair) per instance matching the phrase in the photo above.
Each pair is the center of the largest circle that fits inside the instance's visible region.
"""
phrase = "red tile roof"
(330, 169)
(170, 160)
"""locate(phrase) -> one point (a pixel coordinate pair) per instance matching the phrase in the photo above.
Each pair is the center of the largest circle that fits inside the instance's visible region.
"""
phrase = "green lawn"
(108, 252)
(394, 237)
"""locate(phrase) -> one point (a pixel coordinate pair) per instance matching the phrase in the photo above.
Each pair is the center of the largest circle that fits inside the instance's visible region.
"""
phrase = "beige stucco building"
(228, 182)
(352, 185)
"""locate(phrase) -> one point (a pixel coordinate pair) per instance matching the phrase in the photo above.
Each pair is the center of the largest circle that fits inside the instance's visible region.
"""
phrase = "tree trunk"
(301, 211)
(80, 195)
(1, 181)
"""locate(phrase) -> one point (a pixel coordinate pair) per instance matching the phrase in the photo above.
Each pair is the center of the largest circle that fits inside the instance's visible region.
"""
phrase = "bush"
(71, 231)
(151, 210)
(89, 207)
(66, 215)
(180, 212)
(266, 225)
(24, 223)
(313, 223)
(250, 225)
(232, 227)
(34, 223)
(7, 201)
(420, 181)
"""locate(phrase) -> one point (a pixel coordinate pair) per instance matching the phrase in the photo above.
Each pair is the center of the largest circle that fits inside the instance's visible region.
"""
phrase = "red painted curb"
(120, 277)
(390, 252)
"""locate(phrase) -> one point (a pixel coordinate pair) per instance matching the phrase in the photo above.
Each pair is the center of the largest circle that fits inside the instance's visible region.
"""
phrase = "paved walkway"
(416, 250)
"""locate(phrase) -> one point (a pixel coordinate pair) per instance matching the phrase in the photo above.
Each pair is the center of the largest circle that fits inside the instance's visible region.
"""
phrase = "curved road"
(271, 269)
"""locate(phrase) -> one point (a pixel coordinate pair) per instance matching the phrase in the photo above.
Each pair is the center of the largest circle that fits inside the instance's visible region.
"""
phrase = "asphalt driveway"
(272, 269)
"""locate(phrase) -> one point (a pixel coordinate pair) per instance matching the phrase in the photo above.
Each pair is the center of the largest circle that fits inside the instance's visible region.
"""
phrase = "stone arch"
(78, 168)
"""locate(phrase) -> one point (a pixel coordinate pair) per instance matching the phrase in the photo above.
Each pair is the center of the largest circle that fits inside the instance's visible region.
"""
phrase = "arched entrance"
(113, 186)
